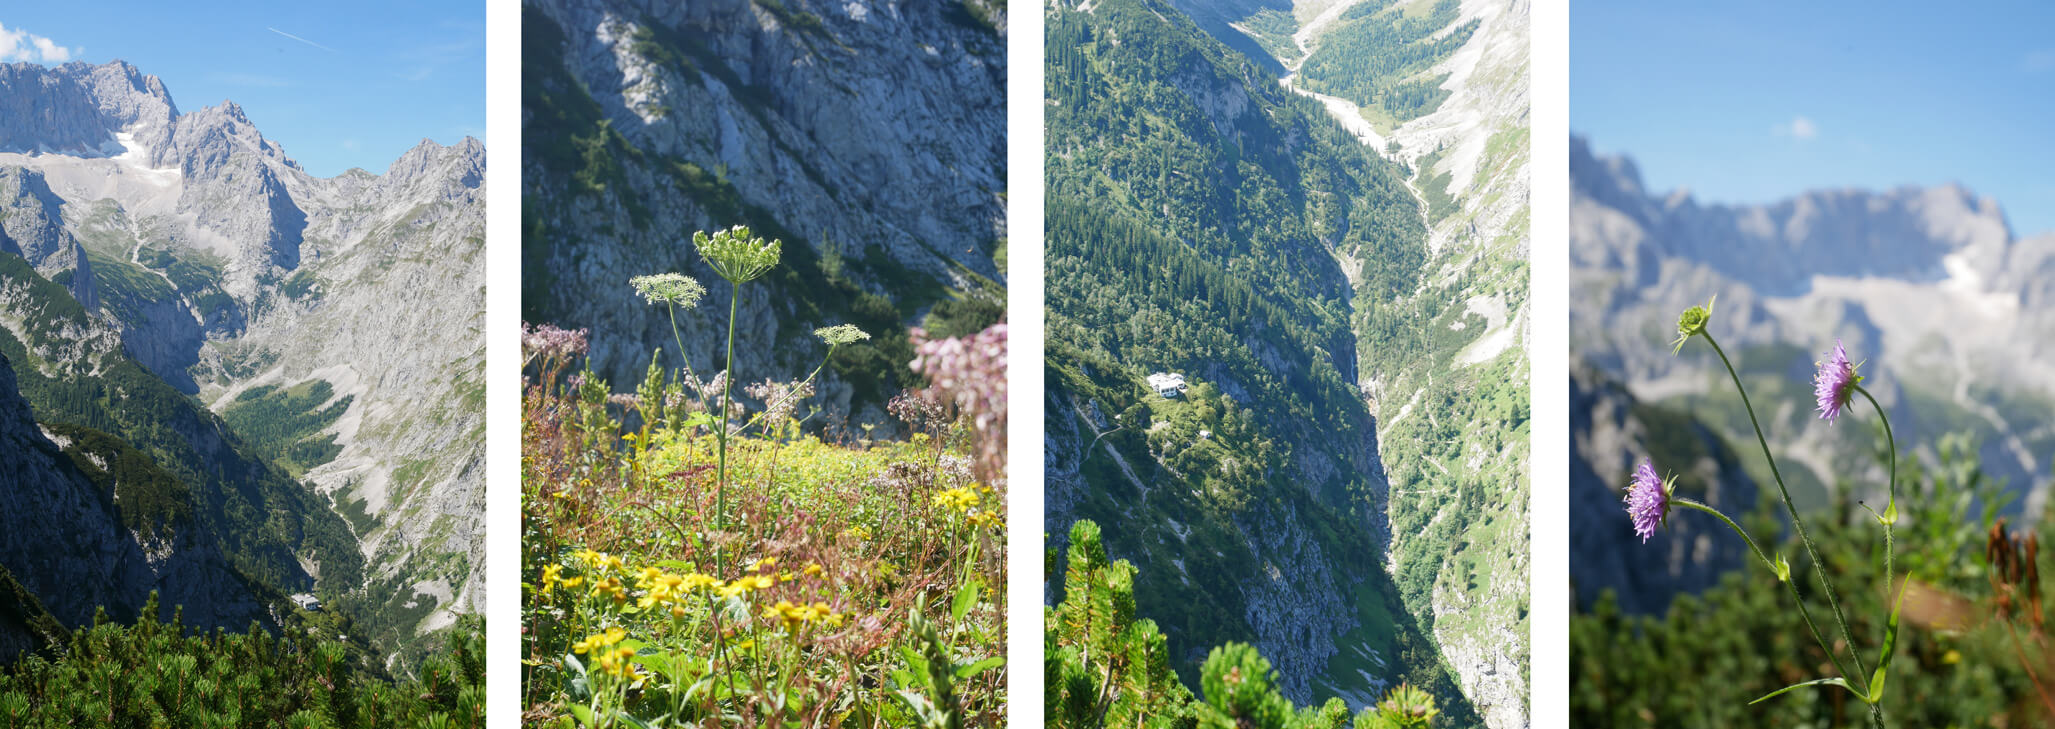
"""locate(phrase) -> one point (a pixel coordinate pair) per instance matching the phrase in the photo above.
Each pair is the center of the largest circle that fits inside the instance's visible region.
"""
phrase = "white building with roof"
(1167, 384)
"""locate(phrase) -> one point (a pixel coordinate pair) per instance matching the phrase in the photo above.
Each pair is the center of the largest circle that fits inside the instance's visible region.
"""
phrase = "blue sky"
(339, 85)
(1752, 101)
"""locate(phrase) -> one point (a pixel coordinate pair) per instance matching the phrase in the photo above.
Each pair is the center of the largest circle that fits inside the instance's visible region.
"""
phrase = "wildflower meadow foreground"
(681, 568)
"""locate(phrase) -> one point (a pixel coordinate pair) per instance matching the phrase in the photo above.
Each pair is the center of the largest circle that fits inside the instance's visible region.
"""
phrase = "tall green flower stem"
(721, 435)
(740, 257)
(1819, 565)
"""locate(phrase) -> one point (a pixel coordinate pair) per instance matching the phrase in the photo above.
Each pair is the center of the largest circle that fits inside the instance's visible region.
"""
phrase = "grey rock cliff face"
(77, 109)
(877, 129)
(398, 305)
(32, 226)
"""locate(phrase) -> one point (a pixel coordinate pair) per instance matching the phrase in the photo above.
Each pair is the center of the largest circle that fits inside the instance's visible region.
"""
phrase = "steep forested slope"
(73, 372)
(1193, 207)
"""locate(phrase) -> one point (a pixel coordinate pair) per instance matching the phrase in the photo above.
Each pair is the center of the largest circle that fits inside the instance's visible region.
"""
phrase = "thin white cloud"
(20, 45)
(1799, 128)
(302, 40)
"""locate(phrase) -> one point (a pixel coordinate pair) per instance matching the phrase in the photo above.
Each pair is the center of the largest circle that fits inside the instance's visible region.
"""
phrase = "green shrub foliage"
(1105, 668)
(154, 674)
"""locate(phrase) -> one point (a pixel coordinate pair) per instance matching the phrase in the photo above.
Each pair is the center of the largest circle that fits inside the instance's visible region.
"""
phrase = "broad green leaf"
(577, 684)
(968, 670)
(966, 597)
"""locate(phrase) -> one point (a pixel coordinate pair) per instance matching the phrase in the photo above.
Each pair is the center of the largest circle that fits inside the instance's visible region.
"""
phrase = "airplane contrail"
(302, 40)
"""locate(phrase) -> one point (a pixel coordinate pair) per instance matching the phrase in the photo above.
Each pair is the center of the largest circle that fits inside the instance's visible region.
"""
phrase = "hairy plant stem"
(1819, 565)
(1890, 507)
(1890, 521)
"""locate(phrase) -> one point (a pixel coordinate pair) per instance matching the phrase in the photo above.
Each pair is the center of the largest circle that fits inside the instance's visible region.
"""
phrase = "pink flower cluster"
(970, 374)
(544, 342)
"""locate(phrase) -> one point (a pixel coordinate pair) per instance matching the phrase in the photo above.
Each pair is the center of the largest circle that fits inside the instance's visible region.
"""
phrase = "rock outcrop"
(870, 136)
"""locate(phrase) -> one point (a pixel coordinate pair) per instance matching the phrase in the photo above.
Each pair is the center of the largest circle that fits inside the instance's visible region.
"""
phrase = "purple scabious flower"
(1835, 383)
(1648, 500)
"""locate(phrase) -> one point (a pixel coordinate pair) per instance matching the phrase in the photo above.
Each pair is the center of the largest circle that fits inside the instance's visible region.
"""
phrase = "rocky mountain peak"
(462, 164)
(80, 108)
(1910, 232)
(32, 226)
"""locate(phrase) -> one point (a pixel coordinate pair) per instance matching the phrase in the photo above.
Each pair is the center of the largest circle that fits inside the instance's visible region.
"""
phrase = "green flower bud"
(1692, 323)
(736, 254)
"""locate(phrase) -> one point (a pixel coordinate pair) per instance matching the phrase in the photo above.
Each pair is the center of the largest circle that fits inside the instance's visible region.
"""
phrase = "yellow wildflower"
(697, 581)
(984, 518)
(813, 570)
(599, 640)
(610, 588)
(756, 582)
(956, 499)
(619, 662)
(551, 575)
(648, 577)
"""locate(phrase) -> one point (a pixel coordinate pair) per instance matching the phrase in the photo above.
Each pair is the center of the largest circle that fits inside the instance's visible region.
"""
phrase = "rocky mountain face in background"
(1472, 151)
(868, 136)
(34, 229)
(1944, 304)
(237, 277)
(1610, 434)
(64, 538)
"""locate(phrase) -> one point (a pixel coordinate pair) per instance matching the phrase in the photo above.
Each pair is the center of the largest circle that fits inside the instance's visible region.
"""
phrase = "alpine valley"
(229, 381)
(1316, 214)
